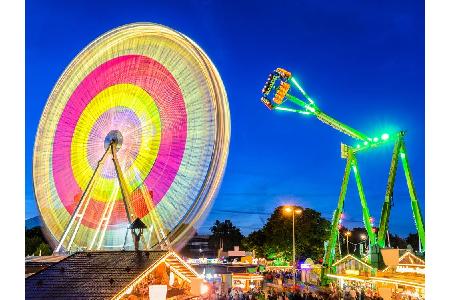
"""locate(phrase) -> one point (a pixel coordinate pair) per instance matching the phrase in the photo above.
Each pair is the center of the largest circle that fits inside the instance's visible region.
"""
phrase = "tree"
(35, 241)
(226, 234)
(274, 240)
(255, 241)
(43, 249)
(397, 241)
(413, 240)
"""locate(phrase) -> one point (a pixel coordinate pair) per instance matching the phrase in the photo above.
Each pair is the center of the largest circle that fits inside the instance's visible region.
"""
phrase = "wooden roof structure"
(101, 275)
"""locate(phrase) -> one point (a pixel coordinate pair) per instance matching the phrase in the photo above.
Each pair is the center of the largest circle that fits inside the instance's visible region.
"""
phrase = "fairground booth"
(310, 271)
(234, 269)
(403, 274)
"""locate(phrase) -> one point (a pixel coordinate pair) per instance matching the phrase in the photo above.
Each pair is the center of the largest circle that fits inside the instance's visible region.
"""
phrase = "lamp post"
(364, 238)
(347, 234)
(294, 211)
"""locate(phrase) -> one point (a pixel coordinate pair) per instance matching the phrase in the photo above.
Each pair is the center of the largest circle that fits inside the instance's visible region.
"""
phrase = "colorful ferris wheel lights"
(155, 97)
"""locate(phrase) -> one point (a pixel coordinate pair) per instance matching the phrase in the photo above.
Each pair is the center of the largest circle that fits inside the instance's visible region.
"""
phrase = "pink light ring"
(154, 78)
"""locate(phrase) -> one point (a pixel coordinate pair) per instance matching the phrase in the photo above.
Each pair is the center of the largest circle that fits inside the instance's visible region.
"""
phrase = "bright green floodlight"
(365, 143)
(385, 136)
(285, 109)
(310, 108)
(302, 90)
(297, 85)
(358, 146)
(375, 139)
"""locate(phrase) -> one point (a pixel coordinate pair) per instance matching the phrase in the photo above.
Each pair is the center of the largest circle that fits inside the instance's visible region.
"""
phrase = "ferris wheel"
(137, 126)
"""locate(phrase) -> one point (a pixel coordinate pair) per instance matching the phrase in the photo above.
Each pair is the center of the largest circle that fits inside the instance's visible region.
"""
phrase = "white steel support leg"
(111, 208)
(154, 219)
(80, 218)
(104, 220)
(80, 204)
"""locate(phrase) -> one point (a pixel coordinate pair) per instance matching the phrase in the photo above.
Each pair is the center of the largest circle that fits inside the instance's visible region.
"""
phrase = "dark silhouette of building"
(199, 246)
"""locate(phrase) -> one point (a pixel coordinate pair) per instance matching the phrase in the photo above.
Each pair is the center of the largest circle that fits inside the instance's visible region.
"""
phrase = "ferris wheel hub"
(114, 136)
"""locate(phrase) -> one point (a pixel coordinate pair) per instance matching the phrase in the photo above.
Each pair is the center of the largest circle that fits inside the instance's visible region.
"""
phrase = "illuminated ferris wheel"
(137, 126)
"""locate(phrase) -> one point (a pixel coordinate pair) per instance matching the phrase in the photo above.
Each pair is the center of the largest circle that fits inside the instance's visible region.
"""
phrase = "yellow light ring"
(208, 129)
(139, 149)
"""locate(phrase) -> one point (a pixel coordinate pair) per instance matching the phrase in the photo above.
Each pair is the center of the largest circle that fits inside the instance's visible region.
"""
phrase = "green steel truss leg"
(412, 193)
(386, 211)
(362, 196)
(329, 253)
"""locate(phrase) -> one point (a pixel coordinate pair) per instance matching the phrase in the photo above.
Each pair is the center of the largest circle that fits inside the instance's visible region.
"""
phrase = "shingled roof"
(90, 275)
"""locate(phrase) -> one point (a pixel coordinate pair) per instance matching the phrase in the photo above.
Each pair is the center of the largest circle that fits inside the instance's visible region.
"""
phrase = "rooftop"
(93, 275)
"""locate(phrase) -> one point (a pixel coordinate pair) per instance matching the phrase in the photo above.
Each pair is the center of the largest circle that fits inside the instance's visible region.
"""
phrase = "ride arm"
(312, 109)
(365, 208)
(329, 256)
(412, 193)
(386, 211)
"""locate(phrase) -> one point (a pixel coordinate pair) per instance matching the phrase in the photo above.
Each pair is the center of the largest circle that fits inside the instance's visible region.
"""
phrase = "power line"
(239, 212)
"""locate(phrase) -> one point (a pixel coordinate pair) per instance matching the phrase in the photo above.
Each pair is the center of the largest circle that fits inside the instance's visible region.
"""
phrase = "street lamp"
(364, 238)
(347, 234)
(294, 211)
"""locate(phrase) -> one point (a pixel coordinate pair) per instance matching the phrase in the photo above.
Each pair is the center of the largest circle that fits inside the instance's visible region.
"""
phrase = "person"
(353, 294)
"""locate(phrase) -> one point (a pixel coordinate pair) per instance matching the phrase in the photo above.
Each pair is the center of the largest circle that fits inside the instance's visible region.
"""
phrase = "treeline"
(274, 240)
(35, 243)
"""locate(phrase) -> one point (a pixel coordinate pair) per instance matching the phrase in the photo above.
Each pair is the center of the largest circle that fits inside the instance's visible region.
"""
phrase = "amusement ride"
(279, 95)
(135, 132)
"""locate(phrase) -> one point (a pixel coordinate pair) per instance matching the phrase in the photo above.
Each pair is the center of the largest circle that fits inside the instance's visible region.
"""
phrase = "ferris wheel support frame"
(83, 198)
(84, 201)
(104, 221)
(123, 188)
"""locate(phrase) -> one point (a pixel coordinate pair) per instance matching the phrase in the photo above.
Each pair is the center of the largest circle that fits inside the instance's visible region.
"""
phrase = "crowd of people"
(298, 293)
(267, 294)
(279, 285)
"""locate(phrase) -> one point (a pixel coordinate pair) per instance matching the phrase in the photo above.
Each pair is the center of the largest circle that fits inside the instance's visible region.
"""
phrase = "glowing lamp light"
(129, 290)
(366, 143)
(358, 146)
(375, 139)
(204, 289)
(384, 136)
(289, 209)
(157, 292)
(402, 155)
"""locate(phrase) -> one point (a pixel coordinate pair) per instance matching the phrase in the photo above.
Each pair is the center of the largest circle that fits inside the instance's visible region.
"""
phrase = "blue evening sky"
(362, 61)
